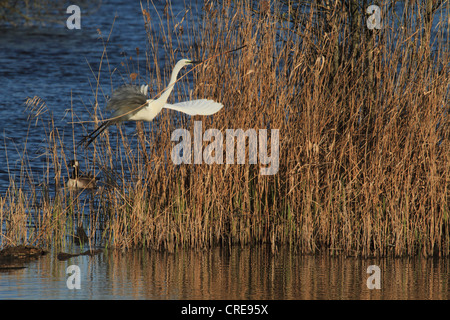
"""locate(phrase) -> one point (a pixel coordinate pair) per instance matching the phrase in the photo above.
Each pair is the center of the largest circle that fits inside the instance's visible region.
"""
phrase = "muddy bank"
(16, 257)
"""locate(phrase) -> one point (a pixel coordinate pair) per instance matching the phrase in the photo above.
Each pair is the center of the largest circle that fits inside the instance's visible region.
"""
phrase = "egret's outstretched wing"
(126, 100)
(196, 107)
(144, 90)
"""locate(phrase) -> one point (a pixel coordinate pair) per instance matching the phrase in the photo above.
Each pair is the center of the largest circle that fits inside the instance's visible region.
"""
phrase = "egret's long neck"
(165, 95)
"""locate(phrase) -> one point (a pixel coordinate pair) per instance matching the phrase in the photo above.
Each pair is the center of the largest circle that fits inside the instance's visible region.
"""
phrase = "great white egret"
(80, 181)
(130, 102)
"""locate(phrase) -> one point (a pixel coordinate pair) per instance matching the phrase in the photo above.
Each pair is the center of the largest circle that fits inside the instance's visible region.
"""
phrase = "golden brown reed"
(364, 138)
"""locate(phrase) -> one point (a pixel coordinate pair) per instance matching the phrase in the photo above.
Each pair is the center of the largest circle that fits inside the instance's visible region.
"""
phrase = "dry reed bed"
(364, 164)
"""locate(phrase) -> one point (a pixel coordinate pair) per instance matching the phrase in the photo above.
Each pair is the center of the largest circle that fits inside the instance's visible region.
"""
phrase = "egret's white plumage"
(130, 103)
(193, 107)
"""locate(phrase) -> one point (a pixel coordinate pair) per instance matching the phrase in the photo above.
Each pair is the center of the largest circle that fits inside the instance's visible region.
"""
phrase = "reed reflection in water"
(239, 273)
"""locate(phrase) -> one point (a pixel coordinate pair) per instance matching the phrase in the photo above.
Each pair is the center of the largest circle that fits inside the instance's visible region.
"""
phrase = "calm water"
(50, 62)
(242, 273)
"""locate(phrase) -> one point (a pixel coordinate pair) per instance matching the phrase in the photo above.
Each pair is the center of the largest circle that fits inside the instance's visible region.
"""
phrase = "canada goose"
(80, 181)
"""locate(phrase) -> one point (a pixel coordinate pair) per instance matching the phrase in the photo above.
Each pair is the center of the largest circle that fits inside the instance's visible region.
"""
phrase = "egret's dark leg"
(87, 140)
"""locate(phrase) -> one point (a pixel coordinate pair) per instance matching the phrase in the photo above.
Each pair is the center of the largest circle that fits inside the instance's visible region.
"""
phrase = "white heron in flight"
(130, 102)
